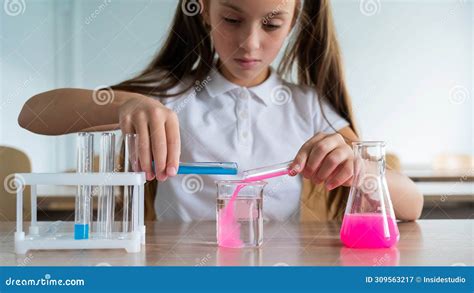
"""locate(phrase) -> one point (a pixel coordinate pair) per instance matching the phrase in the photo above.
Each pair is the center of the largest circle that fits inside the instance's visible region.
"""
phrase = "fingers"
(300, 160)
(325, 158)
(126, 127)
(144, 152)
(319, 151)
(341, 176)
(299, 163)
(166, 145)
(158, 146)
(158, 136)
(330, 163)
(126, 124)
(173, 145)
(348, 182)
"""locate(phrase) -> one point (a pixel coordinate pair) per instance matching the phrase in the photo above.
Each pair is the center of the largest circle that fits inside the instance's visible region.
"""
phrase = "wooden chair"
(12, 161)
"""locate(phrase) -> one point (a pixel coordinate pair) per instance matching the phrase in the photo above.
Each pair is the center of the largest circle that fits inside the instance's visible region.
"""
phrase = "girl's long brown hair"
(316, 55)
(313, 51)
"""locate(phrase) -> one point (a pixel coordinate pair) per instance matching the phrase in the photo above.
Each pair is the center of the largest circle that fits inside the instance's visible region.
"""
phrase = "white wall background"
(29, 59)
(409, 66)
(410, 72)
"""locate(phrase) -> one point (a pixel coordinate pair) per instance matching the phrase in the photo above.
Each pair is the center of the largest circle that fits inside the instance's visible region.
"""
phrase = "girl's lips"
(247, 63)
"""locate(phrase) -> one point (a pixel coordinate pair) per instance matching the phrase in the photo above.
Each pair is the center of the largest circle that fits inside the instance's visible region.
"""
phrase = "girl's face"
(248, 35)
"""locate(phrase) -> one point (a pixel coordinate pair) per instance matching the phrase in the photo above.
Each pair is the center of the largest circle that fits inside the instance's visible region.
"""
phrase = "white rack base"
(62, 236)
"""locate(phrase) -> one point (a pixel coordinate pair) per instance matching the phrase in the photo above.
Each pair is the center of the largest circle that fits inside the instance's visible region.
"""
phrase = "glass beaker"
(239, 213)
(369, 220)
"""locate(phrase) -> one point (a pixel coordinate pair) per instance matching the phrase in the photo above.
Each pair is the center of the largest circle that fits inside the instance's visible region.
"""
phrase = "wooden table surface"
(455, 175)
(422, 243)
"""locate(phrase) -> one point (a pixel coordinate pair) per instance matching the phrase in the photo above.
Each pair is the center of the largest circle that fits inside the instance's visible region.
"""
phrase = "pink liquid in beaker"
(367, 231)
(229, 229)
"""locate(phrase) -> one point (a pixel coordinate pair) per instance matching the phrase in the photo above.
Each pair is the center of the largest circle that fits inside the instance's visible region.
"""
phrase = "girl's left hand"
(325, 158)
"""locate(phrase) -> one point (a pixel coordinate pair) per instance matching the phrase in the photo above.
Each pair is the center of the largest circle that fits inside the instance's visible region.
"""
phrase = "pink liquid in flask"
(229, 229)
(369, 231)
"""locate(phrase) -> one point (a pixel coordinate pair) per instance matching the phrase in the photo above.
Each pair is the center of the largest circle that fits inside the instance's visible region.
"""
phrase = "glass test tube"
(267, 172)
(131, 165)
(83, 209)
(106, 201)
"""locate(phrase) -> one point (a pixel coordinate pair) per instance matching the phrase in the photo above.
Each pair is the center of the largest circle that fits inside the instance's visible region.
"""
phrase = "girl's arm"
(407, 200)
(64, 111)
(328, 158)
(70, 110)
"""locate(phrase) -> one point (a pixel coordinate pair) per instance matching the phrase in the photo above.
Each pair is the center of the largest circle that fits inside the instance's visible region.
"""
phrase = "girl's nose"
(250, 40)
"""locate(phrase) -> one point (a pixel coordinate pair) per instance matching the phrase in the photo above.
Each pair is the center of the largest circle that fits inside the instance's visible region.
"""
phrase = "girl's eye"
(271, 27)
(231, 20)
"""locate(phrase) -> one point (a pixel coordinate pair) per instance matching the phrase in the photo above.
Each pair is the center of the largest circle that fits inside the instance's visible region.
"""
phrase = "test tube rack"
(131, 240)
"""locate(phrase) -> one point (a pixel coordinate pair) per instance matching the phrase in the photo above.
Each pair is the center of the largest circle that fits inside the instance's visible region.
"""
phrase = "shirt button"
(244, 115)
(245, 134)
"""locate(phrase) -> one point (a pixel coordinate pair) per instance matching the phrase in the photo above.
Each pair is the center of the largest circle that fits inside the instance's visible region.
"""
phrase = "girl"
(211, 95)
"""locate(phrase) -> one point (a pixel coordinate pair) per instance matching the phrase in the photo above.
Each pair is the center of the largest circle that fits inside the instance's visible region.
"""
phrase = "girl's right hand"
(158, 135)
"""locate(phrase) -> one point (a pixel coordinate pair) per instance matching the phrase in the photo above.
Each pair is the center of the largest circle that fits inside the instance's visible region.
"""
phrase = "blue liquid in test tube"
(81, 231)
(206, 168)
(83, 208)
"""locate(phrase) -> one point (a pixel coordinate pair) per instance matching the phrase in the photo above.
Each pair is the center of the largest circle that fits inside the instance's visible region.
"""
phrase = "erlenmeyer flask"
(369, 220)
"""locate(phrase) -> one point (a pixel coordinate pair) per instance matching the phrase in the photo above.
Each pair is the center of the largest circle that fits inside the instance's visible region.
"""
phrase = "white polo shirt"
(255, 127)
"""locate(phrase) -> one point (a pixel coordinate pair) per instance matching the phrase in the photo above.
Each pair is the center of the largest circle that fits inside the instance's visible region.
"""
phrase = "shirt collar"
(218, 85)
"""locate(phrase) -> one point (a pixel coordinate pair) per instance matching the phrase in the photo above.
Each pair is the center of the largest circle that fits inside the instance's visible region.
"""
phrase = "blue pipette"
(207, 168)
